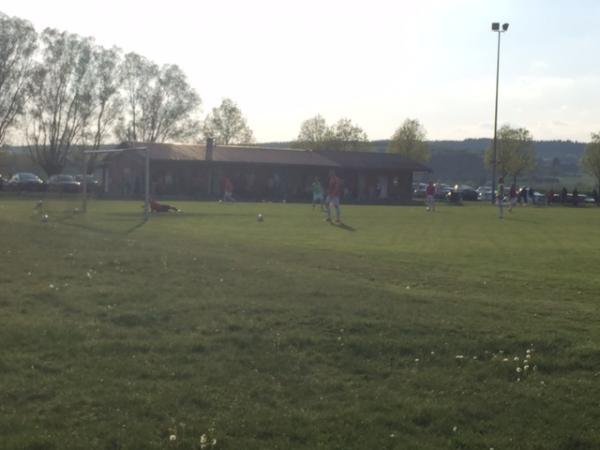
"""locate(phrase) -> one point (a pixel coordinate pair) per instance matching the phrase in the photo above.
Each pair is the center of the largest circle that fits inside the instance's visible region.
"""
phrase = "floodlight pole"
(147, 187)
(496, 28)
(84, 187)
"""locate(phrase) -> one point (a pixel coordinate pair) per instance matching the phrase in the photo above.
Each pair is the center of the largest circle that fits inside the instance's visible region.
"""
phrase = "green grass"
(295, 334)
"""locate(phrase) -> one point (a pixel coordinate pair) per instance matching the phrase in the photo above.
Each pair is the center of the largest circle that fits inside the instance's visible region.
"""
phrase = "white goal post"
(86, 153)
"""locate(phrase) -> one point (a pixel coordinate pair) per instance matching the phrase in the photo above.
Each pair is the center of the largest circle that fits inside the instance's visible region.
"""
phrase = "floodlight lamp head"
(495, 26)
(504, 26)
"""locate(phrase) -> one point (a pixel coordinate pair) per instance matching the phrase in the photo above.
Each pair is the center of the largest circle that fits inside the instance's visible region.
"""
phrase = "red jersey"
(333, 190)
(513, 192)
(227, 185)
(430, 190)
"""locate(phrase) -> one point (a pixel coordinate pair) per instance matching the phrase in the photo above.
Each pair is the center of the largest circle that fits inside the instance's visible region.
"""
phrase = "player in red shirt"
(334, 189)
(430, 197)
(227, 190)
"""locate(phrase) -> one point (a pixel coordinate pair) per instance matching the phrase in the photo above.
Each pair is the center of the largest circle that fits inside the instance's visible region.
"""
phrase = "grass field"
(400, 330)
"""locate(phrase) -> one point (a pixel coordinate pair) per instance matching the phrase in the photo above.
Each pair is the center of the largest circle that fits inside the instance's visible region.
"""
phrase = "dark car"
(466, 192)
(63, 183)
(92, 184)
(25, 181)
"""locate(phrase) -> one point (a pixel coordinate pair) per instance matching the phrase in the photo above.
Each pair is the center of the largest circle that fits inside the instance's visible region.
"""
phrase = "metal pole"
(496, 125)
(147, 193)
(84, 188)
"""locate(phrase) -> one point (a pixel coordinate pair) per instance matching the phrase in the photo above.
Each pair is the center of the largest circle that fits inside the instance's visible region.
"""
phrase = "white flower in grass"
(474, 357)
(459, 357)
(505, 360)
(432, 353)
(203, 439)
(519, 370)
(51, 286)
(516, 358)
(172, 437)
(528, 351)
(214, 442)
(416, 360)
(528, 356)
(454, 428)
(89, 274)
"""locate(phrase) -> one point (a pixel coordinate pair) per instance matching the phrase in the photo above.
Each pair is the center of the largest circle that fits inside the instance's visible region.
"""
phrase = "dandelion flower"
(203, 439)
(528, 350)
(416, 360)
(519, 370)
(432, 353)
(516, 358)
(505, 360)
(51, 286)
(454, 428)
(214, 442)
(526, 367)
(172, 437)
(474, 357)
(459, 356)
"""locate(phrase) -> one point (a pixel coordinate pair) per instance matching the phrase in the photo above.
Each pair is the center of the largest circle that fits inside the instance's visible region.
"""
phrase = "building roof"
(278, 156)
(373, 160)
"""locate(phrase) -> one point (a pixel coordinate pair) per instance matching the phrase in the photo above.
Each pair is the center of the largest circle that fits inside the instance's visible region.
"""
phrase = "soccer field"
(208, 329)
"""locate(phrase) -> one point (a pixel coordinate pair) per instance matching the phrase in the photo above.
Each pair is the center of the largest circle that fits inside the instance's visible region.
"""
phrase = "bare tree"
(409, 140)
(515, 153)
(161, 104)
(590, 160)
(226, 125)
(106, 104)
(18, 42)
(61, 98)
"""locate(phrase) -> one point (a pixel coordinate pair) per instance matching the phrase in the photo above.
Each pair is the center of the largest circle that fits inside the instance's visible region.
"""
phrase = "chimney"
(209, 148)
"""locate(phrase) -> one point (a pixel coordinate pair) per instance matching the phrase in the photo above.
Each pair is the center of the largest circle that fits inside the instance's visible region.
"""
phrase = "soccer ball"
(259, 217)
(45, 218)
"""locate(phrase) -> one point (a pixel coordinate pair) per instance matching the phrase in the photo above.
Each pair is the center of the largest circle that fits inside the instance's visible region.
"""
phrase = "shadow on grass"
(173, 215)
(101, 230)
(343, 226)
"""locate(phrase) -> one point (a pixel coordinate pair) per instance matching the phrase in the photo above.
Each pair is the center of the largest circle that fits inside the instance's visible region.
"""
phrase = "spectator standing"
(500, 197)
(512, 196)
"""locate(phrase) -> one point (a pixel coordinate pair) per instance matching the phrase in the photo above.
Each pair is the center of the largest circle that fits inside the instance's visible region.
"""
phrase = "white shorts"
(335, 201)
(317, 198)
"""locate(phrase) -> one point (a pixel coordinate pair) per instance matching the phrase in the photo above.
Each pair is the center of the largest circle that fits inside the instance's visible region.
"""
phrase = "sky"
(375, 62)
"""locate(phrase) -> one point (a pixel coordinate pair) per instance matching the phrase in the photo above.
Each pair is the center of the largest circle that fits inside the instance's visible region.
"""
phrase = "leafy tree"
(409, 140)
(61, 98)
(314, 133)
(348, 137)
(515, 152)
(344, 135)
(226, 125)
(590, 161)
(162, 106)
(18, 42)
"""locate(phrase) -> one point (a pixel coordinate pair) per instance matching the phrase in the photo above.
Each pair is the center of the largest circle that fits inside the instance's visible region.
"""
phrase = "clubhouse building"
(257, 173)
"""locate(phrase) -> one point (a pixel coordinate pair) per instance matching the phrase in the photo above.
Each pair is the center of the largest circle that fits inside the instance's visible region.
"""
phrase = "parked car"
(93, 185)
(63, 183)
(26, 181)
(466, 192)
(442, 190)
(484, 193)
